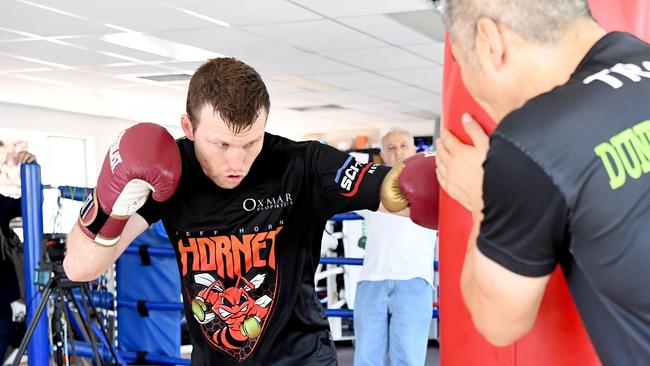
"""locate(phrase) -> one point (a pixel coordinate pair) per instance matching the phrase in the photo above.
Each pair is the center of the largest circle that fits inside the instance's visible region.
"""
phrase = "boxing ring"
(141, 307)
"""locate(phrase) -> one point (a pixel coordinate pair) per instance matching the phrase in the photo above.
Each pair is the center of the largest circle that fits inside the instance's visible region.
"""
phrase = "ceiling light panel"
(158, 46)
(94, 43)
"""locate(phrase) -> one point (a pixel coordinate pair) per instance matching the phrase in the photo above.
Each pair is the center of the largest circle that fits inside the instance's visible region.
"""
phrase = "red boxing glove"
(413, 184)
(142, 159)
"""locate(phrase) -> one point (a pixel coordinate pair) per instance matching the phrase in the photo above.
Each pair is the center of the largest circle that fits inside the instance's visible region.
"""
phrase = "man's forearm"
(85, 260)
(480, 301)
(503, 304)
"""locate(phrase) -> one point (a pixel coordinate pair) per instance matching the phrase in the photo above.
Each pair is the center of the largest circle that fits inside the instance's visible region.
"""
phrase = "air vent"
(323, 107)
(167, 78)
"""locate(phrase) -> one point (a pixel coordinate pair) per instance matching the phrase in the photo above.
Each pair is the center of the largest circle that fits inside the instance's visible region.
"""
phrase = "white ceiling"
(88, 56)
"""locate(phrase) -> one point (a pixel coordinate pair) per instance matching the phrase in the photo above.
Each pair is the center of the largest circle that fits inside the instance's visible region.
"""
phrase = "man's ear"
(490, 45)
(186, 124)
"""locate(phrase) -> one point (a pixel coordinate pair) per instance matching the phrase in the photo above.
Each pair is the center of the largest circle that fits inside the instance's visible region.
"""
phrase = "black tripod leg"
(69, 327)
(86, 323)
(32, 325)
(58, 332)
(96, 314)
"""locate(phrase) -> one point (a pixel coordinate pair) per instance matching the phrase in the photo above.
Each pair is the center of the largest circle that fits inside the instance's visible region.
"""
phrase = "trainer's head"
(510, 51)
(396, 146)
(227, 107)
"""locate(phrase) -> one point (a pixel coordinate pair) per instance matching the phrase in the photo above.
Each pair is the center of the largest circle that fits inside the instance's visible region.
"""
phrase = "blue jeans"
(391, 320)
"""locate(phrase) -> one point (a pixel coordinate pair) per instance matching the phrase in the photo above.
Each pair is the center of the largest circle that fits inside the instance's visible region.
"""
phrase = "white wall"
(36, 122)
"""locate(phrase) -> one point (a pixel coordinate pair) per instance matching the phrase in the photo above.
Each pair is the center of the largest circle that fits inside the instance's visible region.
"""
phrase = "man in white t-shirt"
(393, 302)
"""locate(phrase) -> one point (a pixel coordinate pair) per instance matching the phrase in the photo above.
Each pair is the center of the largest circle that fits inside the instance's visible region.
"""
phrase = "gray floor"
(345, 351)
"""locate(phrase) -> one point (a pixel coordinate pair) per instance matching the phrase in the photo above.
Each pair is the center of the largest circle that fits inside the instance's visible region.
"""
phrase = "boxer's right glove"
(413, 183)
(142, 159)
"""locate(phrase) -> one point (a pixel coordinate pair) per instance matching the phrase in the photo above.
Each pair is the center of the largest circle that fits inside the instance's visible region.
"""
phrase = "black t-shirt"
(567, 180)
(249, 254)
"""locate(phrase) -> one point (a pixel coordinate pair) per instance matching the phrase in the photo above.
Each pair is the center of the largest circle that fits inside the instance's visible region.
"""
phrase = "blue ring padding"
(153, 251)
(349, 313)
(346, 216)
(74, 193)
(85, 350)
(101, 299)
(342, 261)
(339, 313)
(152, 305)
(353, 261)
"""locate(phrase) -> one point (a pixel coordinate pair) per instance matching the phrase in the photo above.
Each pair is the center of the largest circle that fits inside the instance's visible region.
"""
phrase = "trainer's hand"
(460, 166)
(142, 159)
(412, 183)
(23, 157)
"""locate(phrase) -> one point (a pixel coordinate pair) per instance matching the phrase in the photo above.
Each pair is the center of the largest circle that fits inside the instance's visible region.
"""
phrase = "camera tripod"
(61, 289)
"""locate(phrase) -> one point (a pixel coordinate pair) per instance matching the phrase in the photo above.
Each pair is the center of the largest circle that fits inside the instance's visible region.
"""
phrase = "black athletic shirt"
(249, 254)
(567, 180)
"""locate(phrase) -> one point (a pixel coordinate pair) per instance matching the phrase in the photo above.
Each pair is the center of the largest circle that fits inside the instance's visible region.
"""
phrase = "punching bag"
(558, 337)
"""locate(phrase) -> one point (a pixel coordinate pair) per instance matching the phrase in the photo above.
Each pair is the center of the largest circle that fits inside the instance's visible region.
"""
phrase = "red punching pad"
(558, 337)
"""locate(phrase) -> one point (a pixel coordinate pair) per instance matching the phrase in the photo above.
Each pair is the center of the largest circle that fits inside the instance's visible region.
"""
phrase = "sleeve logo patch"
(350, 175)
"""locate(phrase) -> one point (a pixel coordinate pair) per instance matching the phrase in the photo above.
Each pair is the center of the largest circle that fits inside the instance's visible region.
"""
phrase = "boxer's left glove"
(142, 159)
(413, 183)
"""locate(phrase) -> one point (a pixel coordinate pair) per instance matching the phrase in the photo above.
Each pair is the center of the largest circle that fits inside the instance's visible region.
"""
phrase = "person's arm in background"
(12, 206)
(108, 221)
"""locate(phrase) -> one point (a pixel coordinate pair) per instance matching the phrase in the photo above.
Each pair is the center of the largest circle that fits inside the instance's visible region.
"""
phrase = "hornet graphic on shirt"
(231, 281)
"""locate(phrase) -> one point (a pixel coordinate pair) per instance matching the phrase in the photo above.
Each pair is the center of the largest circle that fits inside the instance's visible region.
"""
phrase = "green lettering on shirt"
(626, 154)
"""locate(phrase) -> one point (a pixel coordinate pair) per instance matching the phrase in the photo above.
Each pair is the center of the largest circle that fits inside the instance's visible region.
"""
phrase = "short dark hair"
(235, 90)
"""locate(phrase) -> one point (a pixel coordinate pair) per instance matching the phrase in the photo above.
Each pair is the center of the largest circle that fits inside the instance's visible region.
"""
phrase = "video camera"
(53, 253)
